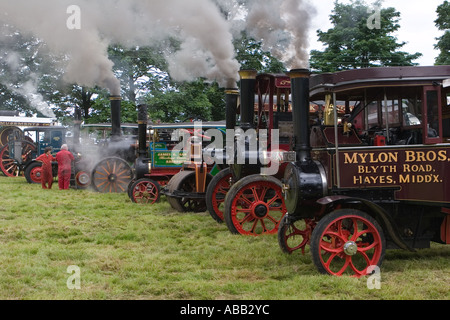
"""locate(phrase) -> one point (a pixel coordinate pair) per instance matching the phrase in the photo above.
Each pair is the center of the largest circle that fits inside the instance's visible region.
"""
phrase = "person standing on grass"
(64, 158)
(46, 174)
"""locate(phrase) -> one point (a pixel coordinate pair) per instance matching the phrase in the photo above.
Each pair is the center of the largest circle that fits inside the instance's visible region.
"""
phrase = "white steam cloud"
(206, 35)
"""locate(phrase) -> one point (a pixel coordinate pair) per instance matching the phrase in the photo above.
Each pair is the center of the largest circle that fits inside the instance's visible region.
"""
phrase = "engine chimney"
(142, 129)
(248, 83)
(304, 180)
(142, 164)
(76, 126)
(116, 102)
(300, 113)
(231, 100)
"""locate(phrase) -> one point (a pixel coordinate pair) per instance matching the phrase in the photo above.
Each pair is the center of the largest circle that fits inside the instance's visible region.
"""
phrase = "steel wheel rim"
(342, 233)
(253, 197)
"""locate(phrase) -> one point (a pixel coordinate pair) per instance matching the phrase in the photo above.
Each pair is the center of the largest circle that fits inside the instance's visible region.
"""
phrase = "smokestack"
(231, 99)
(77, 126)
(300, 113)
(248, 83)
(142, 129)
(116, 102)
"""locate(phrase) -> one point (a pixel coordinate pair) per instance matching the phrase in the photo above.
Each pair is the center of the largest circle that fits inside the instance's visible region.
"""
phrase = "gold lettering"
(420, 156)
(349, 159)
(404, 179)
(410, 156)
(442, 155)
(363, 157)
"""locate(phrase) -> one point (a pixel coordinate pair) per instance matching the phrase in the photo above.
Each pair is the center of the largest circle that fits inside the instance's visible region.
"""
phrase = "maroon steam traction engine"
(251, 203)
(375, 179)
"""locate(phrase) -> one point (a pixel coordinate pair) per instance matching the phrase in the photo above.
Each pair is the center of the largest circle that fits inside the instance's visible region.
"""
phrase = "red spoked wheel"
(145, 191)
(112, 175)
(8, 165)
(10, 133)
(347, 241)
(216, 192)
(254, 206)
(294, 234)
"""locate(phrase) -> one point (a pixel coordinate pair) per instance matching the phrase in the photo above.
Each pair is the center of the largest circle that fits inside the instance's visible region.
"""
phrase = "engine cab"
(379, 144)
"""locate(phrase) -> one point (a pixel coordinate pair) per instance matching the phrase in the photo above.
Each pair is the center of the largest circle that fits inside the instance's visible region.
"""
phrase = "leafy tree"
(250, 55)
(24, 68)
(138, 69)
(195, 100)
(352, 44)
(101, 111)
(443, 23)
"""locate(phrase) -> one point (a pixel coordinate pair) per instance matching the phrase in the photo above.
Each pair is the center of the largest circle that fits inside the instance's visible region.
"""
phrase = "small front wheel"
(216, 192)
(33, 172)
(294, 234)
(254, 206)
(347, 241)
(145, 191)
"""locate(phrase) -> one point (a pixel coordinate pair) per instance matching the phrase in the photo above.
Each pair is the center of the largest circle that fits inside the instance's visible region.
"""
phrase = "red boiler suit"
(46, 173)
(64, 159)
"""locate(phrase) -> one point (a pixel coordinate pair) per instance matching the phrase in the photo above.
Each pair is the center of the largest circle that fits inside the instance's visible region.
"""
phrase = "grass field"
(128, 251)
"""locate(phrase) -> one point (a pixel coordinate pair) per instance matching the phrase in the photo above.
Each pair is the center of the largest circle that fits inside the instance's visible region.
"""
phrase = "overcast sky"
(417, 26)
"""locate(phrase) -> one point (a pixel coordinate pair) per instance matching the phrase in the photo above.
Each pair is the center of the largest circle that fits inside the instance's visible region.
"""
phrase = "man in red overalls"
(64, 158)
(46, 174)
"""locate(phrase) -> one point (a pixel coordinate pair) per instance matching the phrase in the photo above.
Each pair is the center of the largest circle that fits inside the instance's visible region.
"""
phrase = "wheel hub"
(83, 178)
(261, 211)
(112, 177)
(350, 248)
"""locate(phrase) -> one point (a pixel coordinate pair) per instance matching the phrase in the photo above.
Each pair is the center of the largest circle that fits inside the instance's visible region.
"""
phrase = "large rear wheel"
(347, 241)
(112, 175)
(181, 192)
(9, 165)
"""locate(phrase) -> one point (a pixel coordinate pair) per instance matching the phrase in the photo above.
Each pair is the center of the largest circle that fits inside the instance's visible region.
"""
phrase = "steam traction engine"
(251, 203)
(162, 168)
(378, 177)
(19, 147)
(106, 166)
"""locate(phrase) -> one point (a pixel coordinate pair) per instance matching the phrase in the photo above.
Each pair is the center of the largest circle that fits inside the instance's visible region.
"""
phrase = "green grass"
(129, 251)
